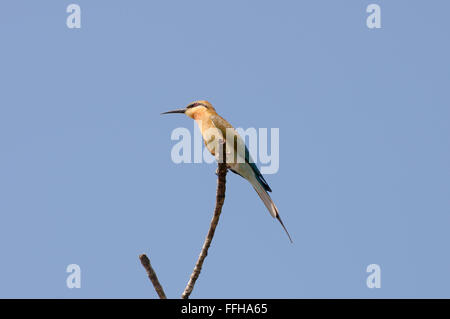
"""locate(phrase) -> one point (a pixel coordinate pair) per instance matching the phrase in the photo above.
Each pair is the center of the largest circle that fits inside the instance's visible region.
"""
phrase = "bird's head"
(194, 109)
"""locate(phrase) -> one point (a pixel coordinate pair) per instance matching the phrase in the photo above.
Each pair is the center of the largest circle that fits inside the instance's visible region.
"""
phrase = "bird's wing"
(220, 123)
(256, 170)
(223, 125)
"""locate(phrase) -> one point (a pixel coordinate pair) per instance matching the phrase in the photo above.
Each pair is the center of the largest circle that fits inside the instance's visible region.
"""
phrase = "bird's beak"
(175, 111)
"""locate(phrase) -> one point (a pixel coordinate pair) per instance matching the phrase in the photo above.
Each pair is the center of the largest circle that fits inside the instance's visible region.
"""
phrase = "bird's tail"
(265, 197)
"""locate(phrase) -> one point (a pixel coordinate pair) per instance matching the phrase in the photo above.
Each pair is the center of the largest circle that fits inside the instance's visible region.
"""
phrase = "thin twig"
(220, 198)
(152, 275)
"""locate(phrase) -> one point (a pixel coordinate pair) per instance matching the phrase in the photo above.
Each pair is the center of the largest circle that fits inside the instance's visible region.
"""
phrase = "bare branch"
(220, 198)
(152, 275)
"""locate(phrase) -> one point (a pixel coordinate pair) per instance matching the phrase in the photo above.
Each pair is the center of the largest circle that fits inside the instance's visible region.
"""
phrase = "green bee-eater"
(214, 128)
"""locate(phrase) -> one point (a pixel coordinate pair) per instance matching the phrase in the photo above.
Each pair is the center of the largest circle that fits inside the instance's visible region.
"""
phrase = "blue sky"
(86, 175)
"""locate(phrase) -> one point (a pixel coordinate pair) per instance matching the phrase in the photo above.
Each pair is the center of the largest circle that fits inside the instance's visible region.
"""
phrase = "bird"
(214, 129)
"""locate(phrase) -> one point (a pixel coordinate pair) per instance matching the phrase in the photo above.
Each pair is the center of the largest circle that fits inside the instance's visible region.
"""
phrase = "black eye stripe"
(193, 105)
